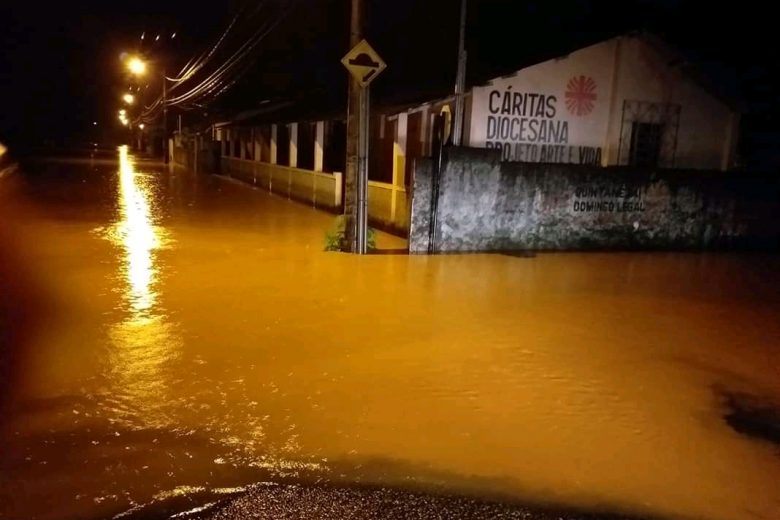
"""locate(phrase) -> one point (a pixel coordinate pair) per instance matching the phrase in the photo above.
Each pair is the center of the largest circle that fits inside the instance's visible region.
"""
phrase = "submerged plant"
(335, 238)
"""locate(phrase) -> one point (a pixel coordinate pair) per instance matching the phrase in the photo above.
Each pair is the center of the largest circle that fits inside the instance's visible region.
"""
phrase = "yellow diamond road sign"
(363, 63)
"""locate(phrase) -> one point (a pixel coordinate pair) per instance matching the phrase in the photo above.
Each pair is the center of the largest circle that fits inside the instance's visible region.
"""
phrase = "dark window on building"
(648, 133)
(265, 143)
(381, 150)
(414, 148)
(335, 154)
(306, 146)
(249, 146)
(283, 145)
(646, 144)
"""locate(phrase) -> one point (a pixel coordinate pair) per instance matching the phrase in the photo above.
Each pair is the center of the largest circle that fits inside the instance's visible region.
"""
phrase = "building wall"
(579, 109)
(650, 74)
(556, 111)
(485, 204)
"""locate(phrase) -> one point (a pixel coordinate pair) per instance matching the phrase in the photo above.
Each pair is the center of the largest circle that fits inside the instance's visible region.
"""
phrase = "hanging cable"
(212, 82)
(202, 60)
(225, 76)
(240, 54)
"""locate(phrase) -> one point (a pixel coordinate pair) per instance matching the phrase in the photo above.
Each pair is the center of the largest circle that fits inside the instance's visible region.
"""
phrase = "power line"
(221, 79)
(207, 84)
(205, 55)
(226, 67)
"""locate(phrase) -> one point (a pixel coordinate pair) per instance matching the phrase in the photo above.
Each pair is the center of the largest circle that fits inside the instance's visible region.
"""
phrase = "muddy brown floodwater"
(201, 341)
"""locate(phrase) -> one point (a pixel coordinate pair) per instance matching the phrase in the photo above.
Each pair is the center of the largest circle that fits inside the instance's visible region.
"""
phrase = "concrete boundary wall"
(388, 205)
(321, 190)
(487, 205)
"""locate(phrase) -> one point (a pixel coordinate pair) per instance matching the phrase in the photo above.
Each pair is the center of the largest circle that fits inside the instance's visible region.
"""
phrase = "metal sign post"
(364, 64)
(362, 184)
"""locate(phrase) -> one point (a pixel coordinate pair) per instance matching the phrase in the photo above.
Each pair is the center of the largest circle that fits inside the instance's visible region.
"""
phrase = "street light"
(123, 117)
(128, 98)
(136, 66)
(141, 126)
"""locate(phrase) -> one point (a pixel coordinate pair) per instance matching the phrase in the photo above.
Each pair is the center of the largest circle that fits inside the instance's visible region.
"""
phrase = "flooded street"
(200, 340)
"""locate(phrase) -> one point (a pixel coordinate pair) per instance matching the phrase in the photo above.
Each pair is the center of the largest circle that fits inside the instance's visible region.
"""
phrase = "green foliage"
(335, 237)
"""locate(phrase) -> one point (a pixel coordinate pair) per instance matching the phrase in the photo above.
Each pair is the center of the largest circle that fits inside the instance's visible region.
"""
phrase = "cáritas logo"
(580, 95)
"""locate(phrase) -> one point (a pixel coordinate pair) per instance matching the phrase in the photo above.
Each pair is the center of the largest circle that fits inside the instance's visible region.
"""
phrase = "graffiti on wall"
(609, 199)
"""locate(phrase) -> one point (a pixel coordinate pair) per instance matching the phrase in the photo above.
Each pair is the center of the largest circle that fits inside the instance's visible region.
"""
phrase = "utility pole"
(351, 179)
(460, 80)
(165, 117)
(361, 240)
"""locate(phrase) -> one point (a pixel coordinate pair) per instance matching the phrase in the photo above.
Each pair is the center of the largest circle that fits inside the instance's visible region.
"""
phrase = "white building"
(625, 101)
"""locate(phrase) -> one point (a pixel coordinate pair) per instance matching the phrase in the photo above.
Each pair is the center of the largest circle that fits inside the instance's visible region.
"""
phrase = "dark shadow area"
(306, 137)
(399, 251)
(514, 253)
(518, 254)
(388, 228)
(751, 416)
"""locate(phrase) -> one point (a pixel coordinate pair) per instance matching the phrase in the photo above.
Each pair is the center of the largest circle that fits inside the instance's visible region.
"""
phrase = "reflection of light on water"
(143, 348)
(137, 235)
(146, 341)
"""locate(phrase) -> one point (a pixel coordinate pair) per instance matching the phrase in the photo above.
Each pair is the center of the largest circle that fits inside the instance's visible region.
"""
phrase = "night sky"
(60, 67)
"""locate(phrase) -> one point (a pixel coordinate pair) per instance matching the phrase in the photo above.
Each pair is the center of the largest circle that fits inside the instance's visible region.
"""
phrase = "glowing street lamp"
(128, 98)
(141, 126)
(136, 66)
(123, 117)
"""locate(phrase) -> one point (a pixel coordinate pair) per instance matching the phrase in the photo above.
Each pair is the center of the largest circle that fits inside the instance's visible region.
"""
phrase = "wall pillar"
(241, 146)
(399, 160)
(424, 131)
(319, 143)
(293, 145)
(272, 145)
(258, 144)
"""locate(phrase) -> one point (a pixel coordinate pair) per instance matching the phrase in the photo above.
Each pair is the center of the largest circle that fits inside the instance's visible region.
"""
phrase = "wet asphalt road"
(275, 502)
